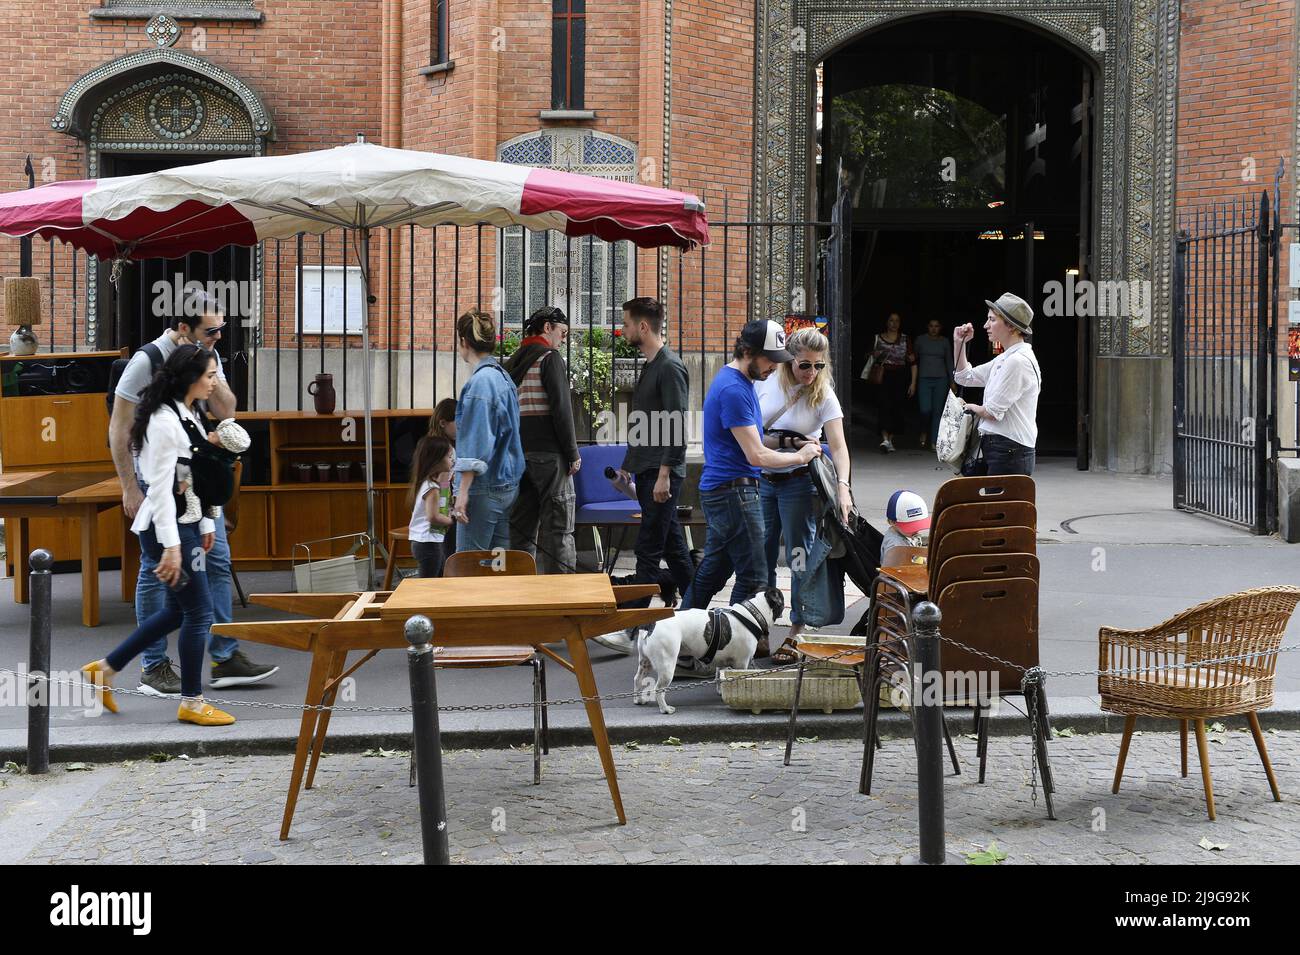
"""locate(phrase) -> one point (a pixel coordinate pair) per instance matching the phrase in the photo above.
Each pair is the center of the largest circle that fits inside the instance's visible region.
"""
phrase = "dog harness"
(718, 629)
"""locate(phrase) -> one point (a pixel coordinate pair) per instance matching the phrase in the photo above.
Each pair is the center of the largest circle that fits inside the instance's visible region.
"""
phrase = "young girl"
(430, 501)
(443, 425)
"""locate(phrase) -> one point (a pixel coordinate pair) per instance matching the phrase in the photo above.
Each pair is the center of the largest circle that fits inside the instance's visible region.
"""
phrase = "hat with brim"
(767, 338)
(1014, 310)
(907, 511)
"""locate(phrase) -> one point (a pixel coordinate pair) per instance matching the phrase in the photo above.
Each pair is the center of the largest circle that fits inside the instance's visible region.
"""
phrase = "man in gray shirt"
(200, 323)
(934, 361)
(656, 454)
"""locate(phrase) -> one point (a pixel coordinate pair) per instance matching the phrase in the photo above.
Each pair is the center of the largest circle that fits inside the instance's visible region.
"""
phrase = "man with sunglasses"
(201, 322)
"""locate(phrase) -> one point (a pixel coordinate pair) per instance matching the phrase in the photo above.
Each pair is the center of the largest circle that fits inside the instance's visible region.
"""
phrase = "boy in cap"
(733, 454)
(908, 517)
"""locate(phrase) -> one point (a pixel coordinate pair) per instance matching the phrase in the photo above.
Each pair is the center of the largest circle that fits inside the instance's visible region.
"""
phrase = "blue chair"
(598, 503)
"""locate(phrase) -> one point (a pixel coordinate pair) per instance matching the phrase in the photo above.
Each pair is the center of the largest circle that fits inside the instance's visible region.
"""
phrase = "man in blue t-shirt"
(733, 454)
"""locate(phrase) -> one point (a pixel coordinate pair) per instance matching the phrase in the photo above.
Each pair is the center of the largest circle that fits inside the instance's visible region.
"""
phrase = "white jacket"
(165, 442)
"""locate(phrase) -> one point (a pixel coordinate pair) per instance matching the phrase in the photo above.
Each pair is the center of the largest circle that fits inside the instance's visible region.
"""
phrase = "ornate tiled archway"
(159, 101)
(1132, 45)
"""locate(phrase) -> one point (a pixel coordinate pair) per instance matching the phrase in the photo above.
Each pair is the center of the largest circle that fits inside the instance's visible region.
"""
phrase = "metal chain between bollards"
(717, 680)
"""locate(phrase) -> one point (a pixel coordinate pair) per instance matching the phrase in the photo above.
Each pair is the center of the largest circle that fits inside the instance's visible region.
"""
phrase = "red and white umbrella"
(205, 207)
(208, 206)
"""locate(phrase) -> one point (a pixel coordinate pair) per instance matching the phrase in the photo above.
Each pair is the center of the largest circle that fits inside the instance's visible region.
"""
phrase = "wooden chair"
(395, 537)
(999, 489)
(997, 616)
(1247, 627)
(962, 517)
(481, 563)
(230, 515)
(831, 654)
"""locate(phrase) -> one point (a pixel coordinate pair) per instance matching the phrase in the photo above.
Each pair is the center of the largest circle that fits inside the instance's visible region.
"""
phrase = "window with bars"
(438, 27)
(587, 277)
(568, 53)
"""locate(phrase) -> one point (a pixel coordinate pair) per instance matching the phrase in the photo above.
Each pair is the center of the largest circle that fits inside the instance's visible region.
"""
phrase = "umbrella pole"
(365, 377)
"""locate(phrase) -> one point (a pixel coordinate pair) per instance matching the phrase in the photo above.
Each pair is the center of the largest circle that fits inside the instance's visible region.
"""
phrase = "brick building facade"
(1194, 101)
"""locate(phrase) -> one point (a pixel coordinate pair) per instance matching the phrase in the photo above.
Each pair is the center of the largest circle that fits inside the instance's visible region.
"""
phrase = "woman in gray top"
(934, 356)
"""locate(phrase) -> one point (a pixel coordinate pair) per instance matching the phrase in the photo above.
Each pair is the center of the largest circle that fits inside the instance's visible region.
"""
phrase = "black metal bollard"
(927, 713)
(428, 767)
(38, 657)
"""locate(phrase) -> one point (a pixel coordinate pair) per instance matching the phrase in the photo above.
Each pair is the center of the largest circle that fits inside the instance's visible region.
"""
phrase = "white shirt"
(165, 442)
(420, 529)
(1011, 384)
(801, 416)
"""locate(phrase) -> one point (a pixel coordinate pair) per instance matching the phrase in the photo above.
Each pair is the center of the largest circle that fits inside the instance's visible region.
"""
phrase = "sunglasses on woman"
(805, 365)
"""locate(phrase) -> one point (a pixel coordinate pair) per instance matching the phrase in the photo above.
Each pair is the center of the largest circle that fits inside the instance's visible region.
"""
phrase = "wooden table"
(466, 612)
(80, 496)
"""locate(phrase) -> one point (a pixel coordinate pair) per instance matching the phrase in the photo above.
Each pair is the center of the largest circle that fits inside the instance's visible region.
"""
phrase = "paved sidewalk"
(1135, 565)
(716, 802)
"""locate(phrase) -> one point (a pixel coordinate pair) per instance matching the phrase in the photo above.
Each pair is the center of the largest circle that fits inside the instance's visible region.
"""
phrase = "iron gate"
(1225, 350)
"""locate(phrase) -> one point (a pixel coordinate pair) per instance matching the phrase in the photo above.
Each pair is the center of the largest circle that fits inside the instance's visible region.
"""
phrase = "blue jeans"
(1004, 456)
(190, 610)
(489, 519)
(735, 544)
(932, 395)
(151, 596)
(788, 509)
(660, 537)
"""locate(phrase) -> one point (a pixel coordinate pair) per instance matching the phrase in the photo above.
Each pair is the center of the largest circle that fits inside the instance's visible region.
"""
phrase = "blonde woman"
(799, 406)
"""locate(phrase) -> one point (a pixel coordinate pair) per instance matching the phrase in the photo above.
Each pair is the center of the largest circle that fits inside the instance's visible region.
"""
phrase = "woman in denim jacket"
(489, 456)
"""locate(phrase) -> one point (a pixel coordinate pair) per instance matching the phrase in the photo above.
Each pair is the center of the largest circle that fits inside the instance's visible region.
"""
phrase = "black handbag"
(212, 468)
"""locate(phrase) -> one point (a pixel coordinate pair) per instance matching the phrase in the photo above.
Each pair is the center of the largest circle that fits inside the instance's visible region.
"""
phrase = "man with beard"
(733, 454)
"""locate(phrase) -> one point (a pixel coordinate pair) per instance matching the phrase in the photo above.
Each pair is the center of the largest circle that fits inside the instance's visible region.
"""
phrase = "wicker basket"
(825, 688)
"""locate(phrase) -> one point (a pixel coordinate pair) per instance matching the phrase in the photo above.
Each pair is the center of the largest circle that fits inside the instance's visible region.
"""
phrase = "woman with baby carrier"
(166, 439)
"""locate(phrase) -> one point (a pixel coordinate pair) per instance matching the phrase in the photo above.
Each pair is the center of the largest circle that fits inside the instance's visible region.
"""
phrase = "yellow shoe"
(96, 676)
(208, 715)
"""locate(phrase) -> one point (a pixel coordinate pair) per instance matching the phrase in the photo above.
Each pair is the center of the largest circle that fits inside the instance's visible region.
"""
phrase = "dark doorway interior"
(144, 301)
(960, 137)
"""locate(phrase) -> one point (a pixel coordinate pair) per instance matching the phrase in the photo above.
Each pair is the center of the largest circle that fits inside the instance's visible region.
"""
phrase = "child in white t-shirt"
(430, 502)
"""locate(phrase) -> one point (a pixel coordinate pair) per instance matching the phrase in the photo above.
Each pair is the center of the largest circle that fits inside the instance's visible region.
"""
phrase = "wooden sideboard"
(53, 416)
(69, 431)
(278, 510)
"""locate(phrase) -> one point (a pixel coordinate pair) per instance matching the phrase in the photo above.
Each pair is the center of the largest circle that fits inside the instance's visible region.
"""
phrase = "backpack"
(212, 467)
(118, 369)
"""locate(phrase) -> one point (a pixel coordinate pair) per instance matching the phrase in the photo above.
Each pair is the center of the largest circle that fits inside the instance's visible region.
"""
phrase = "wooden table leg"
(320, 661)
(587, 684)
(337, 665)
(89, 566)
(21, 549)
(130, 560)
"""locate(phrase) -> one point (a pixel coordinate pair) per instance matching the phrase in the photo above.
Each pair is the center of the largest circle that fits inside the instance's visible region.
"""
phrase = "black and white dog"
(714, 638)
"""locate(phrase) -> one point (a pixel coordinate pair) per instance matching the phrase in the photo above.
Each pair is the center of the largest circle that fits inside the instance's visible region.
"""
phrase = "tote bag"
(956, 429)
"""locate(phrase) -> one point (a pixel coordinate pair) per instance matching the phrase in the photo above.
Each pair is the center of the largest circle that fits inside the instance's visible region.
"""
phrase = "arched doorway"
(150, 110)
(965, 142)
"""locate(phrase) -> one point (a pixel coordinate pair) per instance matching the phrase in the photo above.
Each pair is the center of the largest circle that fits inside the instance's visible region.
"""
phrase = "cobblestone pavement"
(719, 803)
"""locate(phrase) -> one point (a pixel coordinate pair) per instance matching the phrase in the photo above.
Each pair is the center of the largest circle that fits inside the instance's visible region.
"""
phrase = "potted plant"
(627, 362)
(591, 371)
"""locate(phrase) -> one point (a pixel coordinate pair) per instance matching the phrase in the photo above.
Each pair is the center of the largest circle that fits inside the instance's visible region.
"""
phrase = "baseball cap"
(767, 337)
(908, 511)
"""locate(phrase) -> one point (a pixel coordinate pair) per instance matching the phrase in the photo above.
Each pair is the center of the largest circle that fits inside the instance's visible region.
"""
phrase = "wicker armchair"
(1242, 631)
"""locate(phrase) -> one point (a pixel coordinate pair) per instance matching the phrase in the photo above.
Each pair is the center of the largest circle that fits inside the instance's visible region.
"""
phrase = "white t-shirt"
(139, 370)
(802, 417)
(420, 528)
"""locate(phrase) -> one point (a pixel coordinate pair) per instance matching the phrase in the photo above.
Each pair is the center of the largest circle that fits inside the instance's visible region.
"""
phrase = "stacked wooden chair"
(1214, 660)
(982, 571)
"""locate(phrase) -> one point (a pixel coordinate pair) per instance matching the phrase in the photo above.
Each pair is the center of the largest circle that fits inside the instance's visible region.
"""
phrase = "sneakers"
(620, 642)
(206, 715)
(887, 446)
(238, 671)
(161, 680)
(692, 669)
